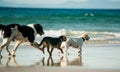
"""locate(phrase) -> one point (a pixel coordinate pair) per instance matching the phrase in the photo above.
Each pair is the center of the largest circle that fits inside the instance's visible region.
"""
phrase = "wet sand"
(94, 58)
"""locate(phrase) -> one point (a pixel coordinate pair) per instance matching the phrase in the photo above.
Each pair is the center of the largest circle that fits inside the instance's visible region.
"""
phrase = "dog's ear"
(85, 36)
(2, 27)
(14, 28)
(63, 38)
(39, 29)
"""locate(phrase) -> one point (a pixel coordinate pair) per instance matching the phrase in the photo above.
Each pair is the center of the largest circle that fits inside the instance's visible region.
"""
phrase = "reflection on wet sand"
(77, 61)
(8, 59)
(46, 61)
(51, 62)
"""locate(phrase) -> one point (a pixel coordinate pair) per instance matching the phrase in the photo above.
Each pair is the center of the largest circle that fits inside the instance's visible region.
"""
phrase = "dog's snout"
(41, 33)
(88, 38)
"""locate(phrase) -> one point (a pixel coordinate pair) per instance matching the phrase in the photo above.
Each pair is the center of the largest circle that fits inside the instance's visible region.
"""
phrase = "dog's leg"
(6, 42)
(36, 45)
(43, 49)
(79, 50)
(15, 47)
(1, 50)
(51, 52)
(61, 50)
(1, 47)
(8, 52)
(66, 49)
(48, 49)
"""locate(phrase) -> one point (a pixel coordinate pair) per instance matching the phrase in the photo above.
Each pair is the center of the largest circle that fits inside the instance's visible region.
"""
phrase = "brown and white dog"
(76, 42)
(52, 42)
(20, 34)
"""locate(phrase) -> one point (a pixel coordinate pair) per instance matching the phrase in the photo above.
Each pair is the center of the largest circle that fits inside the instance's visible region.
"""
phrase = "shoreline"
(94, 58)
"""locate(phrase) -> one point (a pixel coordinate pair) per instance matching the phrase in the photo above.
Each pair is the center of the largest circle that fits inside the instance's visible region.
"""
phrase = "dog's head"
(63, 38)
(39, 29)
(85, 36)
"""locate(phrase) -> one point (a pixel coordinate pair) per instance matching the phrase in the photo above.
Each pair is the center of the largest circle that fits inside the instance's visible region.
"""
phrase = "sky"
(94, 4)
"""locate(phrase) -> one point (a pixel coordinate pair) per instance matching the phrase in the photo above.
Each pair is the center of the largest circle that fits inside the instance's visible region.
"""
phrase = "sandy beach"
(94, 58)
(53, 69)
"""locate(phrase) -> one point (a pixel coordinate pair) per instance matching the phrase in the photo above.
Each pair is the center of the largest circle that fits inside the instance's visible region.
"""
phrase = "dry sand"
(52, 69)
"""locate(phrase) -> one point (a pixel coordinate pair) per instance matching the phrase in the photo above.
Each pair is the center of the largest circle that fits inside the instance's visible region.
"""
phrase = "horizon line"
(57, 8)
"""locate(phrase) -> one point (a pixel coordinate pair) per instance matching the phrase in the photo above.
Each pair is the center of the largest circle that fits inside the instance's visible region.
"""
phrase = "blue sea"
(103, 25)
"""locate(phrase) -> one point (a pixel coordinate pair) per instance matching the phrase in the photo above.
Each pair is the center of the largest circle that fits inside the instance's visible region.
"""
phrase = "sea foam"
(113, 37)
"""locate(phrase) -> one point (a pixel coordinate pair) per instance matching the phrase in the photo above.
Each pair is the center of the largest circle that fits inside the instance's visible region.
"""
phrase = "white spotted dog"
(76, 42)
(19, 34)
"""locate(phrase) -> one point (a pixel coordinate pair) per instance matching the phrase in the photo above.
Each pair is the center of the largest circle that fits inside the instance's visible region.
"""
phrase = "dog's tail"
(41, 42)
(2, 27)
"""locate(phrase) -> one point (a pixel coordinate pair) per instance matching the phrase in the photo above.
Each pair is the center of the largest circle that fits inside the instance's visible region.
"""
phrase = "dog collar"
(83, 39)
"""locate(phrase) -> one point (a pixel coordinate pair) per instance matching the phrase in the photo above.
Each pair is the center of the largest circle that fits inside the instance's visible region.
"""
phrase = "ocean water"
(102, 25)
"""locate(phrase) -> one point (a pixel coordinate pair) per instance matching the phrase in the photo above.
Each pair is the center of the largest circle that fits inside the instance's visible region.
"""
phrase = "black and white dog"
(20, 34)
